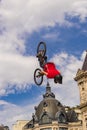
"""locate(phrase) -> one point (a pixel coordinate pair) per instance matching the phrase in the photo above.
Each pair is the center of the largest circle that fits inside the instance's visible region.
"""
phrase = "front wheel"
(38, 78)
(41, 48)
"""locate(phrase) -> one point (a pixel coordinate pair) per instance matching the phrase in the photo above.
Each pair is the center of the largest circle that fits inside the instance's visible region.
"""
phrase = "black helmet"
(58, 79)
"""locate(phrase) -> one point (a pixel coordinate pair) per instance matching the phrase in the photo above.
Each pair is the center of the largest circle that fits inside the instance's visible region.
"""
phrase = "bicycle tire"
(38, 77)
(44, 47)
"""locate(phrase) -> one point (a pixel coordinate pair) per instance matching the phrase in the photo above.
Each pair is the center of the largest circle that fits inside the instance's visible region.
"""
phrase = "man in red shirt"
(49, 69)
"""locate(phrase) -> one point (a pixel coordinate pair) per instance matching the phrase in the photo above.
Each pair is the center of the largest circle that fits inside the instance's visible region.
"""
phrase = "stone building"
(81, 78)
(2, 127)
(20, 124)
(50, 114)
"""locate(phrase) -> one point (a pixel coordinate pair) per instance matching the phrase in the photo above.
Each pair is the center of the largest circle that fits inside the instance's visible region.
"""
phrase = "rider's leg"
(42, 61)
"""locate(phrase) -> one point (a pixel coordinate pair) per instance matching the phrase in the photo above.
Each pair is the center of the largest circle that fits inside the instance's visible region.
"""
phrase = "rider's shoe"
(40, 54)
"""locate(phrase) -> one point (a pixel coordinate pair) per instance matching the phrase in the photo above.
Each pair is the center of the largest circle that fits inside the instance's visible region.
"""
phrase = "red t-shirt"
(50, 69)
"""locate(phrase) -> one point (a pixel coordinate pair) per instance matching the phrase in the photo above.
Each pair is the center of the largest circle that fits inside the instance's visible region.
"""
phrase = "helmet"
(58, 79)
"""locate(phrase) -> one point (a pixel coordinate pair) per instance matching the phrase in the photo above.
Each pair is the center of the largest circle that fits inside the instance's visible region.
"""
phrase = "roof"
(84, 67)
(49, 105)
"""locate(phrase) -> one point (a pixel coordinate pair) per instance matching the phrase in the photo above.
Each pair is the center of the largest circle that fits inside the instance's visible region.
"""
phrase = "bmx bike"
(41, 54)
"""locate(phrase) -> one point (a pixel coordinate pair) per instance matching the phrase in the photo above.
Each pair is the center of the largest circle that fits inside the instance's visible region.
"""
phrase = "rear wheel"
(38, 78)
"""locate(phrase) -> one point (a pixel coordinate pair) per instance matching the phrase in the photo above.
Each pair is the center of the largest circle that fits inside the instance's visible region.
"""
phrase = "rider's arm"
(43, 72)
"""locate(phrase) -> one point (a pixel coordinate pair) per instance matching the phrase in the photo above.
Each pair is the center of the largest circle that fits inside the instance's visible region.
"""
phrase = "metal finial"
(48, 88)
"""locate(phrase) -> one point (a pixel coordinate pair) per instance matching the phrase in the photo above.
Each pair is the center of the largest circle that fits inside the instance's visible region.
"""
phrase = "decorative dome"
(49, 106)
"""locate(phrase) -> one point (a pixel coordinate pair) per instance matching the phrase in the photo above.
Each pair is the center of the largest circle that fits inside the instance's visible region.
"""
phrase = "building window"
(86, 118)
(61, 117)
(82, 88)
(45, 119)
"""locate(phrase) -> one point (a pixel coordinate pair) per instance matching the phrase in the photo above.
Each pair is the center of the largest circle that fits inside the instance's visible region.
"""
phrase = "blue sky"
(23, 24)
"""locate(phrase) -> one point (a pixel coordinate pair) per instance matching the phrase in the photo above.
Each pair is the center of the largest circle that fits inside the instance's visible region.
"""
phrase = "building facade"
(50, 114)
(81, 78)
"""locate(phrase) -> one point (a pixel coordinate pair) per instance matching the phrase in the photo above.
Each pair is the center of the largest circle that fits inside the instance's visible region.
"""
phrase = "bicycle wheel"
(38, 78)
(41, 48)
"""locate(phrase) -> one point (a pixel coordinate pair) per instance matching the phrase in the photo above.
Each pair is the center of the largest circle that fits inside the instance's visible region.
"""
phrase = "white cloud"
(51, 36)
(16, 112)
(79, 8)
(83, 55)
(11, 43)
(22, 16)
(16, 70)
